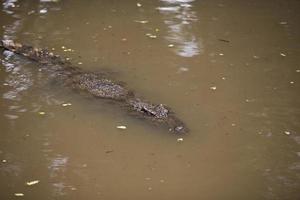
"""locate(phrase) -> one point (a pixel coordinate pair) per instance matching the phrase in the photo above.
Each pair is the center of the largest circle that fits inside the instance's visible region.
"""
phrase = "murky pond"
(229, 69)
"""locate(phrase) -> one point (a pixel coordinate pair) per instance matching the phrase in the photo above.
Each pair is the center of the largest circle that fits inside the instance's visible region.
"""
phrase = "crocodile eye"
(147, 112)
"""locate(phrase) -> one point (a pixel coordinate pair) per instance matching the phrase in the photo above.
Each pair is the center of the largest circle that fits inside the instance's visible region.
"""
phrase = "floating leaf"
(151, 35)
(43, 11)
(29, 183)
(66, 104)
(121, 127)
(282, 54)
(287, 132)
(283, 23)
(142, 21)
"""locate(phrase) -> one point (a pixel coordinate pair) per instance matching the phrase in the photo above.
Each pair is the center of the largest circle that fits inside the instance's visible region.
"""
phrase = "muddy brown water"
(229, 69)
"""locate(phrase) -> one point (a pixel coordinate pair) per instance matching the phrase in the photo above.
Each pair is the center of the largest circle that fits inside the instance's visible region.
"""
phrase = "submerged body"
(97, 85)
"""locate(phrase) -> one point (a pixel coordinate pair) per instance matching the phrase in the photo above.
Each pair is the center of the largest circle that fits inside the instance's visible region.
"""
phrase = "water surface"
(229, 69)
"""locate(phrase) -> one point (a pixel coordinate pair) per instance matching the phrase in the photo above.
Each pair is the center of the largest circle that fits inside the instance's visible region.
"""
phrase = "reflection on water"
(18, 81)
(179, 18)
(19, 78)
(57, 165)
(11, 167)
(57, 169)
(9, 4)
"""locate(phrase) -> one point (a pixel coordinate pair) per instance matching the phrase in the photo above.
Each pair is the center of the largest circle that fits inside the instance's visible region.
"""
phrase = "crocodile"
(97, 85)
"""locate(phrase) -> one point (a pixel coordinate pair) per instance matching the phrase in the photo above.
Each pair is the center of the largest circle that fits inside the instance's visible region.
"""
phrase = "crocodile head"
(160, 114)
(176, 125)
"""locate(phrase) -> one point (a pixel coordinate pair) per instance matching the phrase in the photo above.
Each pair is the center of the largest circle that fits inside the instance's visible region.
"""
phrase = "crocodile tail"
(10, 45)
(39, 55)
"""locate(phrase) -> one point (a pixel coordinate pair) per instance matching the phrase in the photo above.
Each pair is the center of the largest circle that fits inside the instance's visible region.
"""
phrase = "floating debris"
(12, 116)
(29, 183)
(151, 35)
(213, 88)
(4, 161)
(69, 50)
(282, 54)
(19, 194)
(223, 78)
(183, 69)
(223, 40)
(292, 82)
(179, 139)
(283, 23)
(124, 39)
(43, 11)
(171, 45)
(121, 127)
(42, 113)
(138, 4)
(142, 21)
(109, 151)
(31, 12)
(80, 63)
(287, 132)
(221, 54)
(66, 104)
(84, 165)
(250, 100)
